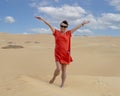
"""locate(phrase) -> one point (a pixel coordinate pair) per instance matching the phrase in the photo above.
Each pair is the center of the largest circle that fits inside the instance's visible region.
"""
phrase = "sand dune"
(26, 71)
(25, 85)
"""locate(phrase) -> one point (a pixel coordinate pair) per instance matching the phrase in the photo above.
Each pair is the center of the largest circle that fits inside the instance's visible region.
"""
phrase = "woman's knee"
(58, 67)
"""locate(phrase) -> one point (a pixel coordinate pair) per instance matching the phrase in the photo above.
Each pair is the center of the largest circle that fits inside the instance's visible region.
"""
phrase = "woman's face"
(63, 27)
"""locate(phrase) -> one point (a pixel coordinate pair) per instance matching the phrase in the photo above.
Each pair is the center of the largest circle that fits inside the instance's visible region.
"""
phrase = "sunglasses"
(63, 26)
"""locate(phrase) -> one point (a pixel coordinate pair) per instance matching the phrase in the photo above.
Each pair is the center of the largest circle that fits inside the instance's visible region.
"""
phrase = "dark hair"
(65, 22)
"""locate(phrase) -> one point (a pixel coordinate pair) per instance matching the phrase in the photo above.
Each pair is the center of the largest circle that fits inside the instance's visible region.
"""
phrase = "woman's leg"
(56, 72)
(63, 76)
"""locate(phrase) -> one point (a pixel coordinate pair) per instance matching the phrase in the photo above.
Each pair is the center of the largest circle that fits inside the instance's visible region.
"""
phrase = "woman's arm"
(80, 25)
(48, 24)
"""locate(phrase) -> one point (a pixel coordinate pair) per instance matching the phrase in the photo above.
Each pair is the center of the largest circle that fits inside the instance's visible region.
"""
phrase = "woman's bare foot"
(51, 81)
(61, 85)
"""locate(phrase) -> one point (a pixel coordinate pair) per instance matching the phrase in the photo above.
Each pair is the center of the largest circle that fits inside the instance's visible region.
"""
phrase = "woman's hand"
(38, 17)
(85, 22)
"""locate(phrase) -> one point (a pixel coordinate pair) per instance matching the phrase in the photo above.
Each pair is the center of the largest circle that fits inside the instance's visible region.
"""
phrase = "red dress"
(62, 46)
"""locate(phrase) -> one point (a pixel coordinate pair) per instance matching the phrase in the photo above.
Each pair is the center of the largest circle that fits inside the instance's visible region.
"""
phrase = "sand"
(26, 70)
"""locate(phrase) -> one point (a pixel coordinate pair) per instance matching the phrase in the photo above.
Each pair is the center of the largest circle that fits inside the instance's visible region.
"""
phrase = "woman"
(62, 47)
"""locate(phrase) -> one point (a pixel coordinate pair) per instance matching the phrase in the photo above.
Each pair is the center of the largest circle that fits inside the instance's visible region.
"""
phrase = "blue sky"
(17, 16)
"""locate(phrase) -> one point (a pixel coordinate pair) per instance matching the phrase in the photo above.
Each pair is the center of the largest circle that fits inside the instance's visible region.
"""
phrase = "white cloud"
(114, 27)
(75, 15)
(40, 30)
(84, 32)
(65, 11)
(115, 3)
(105, 21)
(109, 20)
(9, 19)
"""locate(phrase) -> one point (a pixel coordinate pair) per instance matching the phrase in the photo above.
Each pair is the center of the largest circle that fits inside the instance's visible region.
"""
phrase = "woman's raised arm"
(47, 23)
(80, 25)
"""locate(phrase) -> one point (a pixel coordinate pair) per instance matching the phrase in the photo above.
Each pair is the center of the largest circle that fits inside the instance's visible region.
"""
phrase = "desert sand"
(26, 70)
